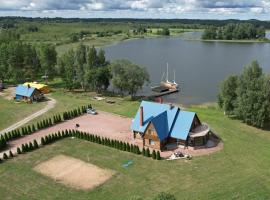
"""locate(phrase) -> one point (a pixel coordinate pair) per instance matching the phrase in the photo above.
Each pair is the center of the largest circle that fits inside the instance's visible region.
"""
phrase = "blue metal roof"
(24, 91)
(150, 111)
(182, 125)
(160, 123)
(166, 120)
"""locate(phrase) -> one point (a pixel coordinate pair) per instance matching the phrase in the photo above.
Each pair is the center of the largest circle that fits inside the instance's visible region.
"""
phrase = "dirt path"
(51, 104)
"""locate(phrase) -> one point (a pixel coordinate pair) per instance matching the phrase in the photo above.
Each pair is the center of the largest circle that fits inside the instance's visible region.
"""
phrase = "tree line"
(20, 61)
(234, 31)
(247, 96)
(88, 69)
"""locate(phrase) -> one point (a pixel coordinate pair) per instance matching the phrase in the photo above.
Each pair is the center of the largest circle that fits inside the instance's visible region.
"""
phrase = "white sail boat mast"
(167, 78)
(174, 77)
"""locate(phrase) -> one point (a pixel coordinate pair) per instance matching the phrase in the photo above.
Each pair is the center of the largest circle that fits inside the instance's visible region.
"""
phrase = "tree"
(165, 196)
(210, 33)
(19, 150)
(227, 95)
(250, 95)
(5, 157)
(128, 77)
(35, 144)
(154, 156)
(147, 152)
(48, 59)
(67, 67)
(11, 154)
(158, 156)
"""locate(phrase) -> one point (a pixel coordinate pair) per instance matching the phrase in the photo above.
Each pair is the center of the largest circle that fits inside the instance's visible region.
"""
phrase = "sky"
(191, 9)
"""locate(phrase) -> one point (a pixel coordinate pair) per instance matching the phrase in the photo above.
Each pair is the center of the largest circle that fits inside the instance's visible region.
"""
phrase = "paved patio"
(105, 125)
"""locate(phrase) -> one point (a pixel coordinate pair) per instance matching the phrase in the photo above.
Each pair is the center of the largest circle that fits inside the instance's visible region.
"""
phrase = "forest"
(233, 31)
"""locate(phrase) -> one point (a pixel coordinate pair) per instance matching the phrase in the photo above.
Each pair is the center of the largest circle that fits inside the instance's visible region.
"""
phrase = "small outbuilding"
(41, 87)
(27, 93)
(160, 126)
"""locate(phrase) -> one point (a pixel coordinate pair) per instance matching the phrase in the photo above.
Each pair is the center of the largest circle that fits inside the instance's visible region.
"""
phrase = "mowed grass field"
(239, 171)
(11, 112)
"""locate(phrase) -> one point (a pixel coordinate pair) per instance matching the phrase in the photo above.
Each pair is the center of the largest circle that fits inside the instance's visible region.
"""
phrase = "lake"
(199, 66)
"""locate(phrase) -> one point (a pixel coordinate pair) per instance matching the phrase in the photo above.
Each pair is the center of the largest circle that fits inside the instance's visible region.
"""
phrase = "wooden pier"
(163, 93)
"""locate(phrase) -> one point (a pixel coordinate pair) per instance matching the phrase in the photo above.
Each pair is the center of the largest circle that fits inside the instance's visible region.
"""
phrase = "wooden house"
(27, 93)
(160, 125)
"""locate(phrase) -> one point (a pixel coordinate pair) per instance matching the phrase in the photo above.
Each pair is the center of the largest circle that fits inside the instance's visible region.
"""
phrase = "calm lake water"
(199, 66)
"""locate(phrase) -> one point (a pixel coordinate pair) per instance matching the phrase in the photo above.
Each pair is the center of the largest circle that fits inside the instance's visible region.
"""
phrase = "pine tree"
(19, 150)
(5, 157)
(43, 141)
(147, 152)
(50, 122)
(23, 148)
(11, 154)
(128, 147)
(29, 131)
(158, 156)
(33, 128)
(35, 144)
(31, 147)
(154, 156)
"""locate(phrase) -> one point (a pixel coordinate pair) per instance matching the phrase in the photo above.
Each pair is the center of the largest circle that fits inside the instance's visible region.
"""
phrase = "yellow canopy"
(42, 87)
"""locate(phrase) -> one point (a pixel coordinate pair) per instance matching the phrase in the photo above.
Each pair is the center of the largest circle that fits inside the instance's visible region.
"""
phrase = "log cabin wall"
(151, 138)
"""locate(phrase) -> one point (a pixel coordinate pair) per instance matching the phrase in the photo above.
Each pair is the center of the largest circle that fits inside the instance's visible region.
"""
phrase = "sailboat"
(168, 84)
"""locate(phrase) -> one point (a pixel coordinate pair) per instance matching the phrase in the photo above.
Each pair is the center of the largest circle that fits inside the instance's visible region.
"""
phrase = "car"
(91, 111)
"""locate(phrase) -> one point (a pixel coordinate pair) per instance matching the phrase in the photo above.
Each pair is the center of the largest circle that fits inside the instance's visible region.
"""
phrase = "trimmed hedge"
(45, 123)
(51, 138)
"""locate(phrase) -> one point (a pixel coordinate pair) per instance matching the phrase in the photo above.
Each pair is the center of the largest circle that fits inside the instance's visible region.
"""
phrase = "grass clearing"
(11, 111)
(239, 171)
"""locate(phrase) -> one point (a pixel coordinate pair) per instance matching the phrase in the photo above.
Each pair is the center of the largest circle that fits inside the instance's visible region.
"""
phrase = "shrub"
(5, 157)
(19, 150)
(143, 152)
(147, 154)
(23, 148)
(11, 154)
(158, 156)
(31, 147)
(26, 147)
(165, 196)
(35, 144)
(154, 156)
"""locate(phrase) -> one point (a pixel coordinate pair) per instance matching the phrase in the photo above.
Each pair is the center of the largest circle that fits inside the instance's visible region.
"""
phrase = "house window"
(151, 142)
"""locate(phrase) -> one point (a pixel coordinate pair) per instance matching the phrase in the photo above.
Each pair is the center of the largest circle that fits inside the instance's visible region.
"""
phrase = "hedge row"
(85, 136)
(45, 123)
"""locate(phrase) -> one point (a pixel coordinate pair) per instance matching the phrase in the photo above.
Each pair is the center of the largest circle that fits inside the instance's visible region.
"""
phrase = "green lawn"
(239, 171)
(11, 112)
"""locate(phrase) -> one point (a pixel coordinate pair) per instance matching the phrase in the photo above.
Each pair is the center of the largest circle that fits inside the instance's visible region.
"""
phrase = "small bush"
(11, 154)
(35, 144)
(165, 196)
(19, 150)
(158, 156)
(5, 157)
(147, 154)
(154, 156)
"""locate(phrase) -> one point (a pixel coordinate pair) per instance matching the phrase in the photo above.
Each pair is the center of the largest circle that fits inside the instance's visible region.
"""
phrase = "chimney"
(171, 106)
(28, 86)
(141, 116)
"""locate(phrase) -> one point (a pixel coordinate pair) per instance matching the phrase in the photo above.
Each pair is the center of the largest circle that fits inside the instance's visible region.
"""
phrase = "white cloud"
(146, 7)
